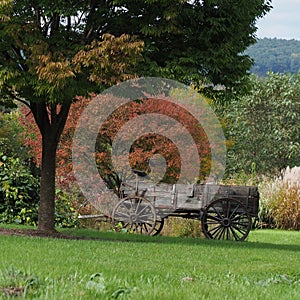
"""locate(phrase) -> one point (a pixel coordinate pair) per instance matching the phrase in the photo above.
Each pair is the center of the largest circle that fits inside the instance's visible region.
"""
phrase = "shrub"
(262, 125)
(182, 227)
(19, 192)
(280, 200)
(243, 177)
(11, 136)
(66, 215)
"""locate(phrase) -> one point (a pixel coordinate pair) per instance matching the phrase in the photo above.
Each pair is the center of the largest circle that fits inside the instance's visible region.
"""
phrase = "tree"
(263, 125)
(152, 144)
(47, 60)
(53, 51)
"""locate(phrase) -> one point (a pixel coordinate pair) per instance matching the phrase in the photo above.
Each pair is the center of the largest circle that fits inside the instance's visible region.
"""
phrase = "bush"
(262, 125)
(11, 136)
(243, 178)
(66, 215)
(19, 180)
(280, 201)
(19, 192)
(175, 226)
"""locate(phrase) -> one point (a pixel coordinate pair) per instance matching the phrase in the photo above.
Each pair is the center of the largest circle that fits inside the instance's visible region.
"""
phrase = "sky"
(283, 21)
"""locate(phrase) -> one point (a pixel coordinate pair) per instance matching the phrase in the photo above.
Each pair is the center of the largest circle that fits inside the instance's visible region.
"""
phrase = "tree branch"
(89, 20)
(40, 114)
(38, 15)
(15, 97)
(54, 22)
(60, 120)
(69, 23)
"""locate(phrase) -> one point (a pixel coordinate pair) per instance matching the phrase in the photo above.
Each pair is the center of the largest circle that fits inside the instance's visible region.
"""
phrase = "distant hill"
(277, 55)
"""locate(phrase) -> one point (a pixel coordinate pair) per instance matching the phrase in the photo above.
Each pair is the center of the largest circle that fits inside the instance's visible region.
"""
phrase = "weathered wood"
(193, 197)
(91, 216)
(225, 211)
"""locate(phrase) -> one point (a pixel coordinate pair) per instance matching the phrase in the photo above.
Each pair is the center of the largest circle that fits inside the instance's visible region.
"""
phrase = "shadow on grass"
(125, 237)
(98, 236)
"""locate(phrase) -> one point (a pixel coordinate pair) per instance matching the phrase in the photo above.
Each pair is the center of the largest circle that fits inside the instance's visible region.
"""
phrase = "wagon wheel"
(135, 215)
(226, 219)
(159, 224)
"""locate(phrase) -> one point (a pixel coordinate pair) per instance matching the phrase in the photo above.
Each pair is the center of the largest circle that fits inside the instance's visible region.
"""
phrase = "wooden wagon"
(225, 211)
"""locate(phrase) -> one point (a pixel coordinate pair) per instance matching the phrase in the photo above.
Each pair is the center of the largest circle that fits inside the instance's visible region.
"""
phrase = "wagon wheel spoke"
(135, 228)
(212, 223)
(159, 224)
(239, 216)
(226, 219)
(137, 206)
(214, 231)
(228, 208)
(222, 235)
(242, 229)
(137, 213)
(240, 223)
(145, 214)
(234, 212)
(218, 233)
(121, 214)
(213, 217)
(235, 235)
(142, 228)
(147, 227)
(227, 234)
(126, 206)
(217, 213)
(237, 229)
(143, 209)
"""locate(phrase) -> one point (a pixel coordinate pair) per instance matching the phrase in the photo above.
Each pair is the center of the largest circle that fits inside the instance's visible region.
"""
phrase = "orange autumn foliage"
(142, 149)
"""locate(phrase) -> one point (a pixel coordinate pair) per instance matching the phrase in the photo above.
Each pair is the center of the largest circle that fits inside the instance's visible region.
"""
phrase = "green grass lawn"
(124, 266)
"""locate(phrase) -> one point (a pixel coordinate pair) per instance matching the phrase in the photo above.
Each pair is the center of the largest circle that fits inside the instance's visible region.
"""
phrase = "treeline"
(276, 55)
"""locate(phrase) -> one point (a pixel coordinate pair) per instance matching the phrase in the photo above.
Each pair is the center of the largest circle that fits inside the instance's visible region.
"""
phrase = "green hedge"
(19, 192)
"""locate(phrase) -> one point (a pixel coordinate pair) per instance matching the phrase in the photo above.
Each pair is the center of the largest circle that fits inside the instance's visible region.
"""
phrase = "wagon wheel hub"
(226, 222)
(133, 218)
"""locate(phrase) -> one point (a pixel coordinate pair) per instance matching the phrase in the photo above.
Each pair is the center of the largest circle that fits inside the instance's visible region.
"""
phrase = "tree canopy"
(263, 125)
(53, 51)
(190, 41)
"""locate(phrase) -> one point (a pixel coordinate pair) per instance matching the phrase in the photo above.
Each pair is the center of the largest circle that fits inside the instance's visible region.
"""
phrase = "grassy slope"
(267, 266)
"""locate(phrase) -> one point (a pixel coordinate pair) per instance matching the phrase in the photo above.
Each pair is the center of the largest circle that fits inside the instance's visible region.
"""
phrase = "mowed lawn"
(124, 266)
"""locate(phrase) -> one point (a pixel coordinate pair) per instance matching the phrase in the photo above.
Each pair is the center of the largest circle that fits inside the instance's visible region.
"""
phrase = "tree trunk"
(51, 123)
(46, 217)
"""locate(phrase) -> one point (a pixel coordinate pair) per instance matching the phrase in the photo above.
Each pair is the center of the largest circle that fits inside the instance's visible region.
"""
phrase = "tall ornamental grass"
(280, 200)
